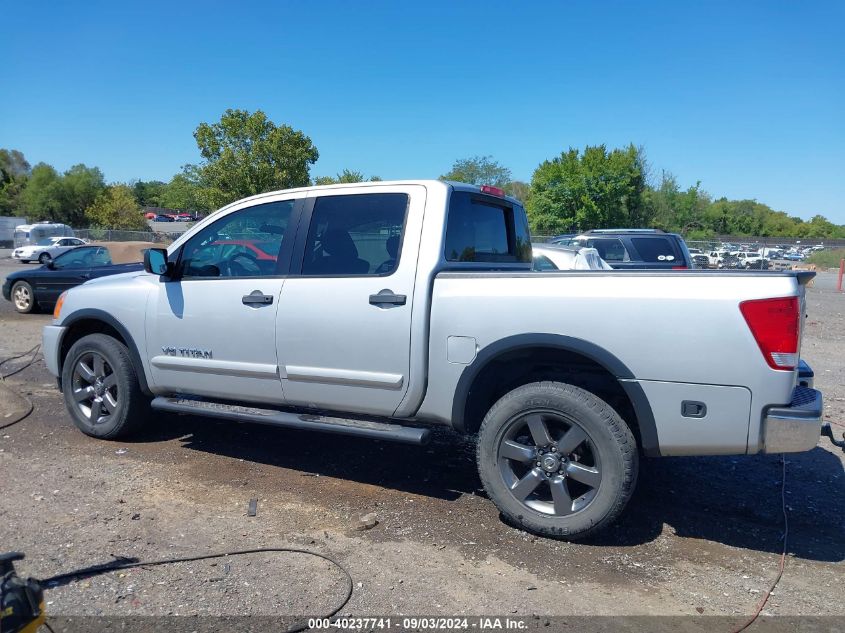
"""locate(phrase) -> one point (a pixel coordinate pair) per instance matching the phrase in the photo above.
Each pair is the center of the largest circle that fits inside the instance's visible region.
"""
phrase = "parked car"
(557, 257)
(637, 248)
(751, 259)
(563, 239)
(38, 288)
(150, 216)
(794, 257)
(47, 249)
(700, 260)
(722, 259)
(163, 218)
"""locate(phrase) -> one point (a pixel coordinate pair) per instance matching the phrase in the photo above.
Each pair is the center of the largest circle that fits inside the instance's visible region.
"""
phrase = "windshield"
(47, 242)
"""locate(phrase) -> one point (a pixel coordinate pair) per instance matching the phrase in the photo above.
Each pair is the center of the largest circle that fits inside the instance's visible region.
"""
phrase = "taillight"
(774, 324)
(679, 267)
(493, 191)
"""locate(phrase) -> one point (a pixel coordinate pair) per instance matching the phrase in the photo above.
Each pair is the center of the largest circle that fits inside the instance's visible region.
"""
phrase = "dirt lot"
(702, 535)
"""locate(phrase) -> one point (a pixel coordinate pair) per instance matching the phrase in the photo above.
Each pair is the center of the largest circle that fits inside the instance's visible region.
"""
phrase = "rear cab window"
(657, 249)
(610, 249)
(485, 229)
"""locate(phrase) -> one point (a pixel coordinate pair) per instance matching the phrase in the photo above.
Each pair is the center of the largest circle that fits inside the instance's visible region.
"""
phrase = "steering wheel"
(233, 268)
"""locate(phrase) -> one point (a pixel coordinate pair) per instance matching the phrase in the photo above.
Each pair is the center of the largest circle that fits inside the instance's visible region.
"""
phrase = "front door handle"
(387, 296)
(256, 297)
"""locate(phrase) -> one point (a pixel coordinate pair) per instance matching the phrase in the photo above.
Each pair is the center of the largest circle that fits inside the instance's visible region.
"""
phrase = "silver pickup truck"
(381, 309)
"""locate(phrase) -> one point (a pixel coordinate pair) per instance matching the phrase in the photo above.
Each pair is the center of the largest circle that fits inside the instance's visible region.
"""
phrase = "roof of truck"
(460, 186)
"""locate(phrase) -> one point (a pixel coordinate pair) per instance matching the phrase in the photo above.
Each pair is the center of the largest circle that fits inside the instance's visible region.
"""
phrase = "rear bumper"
(796, 427)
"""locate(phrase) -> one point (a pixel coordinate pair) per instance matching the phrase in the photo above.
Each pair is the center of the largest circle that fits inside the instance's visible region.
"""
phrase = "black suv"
(636, 248)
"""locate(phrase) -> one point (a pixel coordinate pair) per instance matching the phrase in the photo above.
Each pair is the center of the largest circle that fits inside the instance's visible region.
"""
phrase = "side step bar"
(303, 421)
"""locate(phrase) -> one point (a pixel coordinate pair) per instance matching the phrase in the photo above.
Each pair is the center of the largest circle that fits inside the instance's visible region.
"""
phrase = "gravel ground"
(701, 536)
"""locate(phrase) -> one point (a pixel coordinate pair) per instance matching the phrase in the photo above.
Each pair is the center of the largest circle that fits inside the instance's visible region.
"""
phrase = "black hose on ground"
(17, 370)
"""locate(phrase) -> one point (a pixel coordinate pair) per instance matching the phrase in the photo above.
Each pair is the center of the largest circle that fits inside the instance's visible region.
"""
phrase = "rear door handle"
(256, 297)
(387, 296)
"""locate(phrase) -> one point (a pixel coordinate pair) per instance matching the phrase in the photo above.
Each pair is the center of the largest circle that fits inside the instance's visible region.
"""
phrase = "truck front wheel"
(557, 460)
(101, 388)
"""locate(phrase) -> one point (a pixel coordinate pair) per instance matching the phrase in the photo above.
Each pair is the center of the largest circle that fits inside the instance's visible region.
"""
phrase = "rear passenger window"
(610, 249)
(480, 230)
(655, 249)
(355, 234)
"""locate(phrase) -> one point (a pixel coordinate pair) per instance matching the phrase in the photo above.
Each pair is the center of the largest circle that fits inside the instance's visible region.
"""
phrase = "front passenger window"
(245, 243)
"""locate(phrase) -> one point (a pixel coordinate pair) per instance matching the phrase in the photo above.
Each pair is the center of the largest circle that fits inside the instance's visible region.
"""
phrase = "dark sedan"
(33, 289)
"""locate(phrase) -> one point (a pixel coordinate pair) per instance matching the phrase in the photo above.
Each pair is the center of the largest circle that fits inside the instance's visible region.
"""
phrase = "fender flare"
(597, 354)
(93, 314)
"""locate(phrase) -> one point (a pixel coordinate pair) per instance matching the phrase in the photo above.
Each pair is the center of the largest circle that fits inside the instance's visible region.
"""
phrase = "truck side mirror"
(155, 261)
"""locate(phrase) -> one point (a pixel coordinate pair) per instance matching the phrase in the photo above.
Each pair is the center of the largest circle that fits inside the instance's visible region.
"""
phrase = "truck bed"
(679, 335)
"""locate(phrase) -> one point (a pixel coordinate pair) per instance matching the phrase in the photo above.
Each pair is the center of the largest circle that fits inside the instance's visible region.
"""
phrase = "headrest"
(339, 244)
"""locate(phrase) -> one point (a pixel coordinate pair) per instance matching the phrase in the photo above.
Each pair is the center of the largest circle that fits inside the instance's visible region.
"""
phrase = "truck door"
(344, 321)
(211, 328)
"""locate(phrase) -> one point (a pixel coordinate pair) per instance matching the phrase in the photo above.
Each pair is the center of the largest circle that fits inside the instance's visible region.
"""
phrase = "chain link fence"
(120, 235)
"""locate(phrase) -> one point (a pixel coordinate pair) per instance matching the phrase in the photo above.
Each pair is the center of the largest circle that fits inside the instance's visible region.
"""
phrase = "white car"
(45, 250)
(558, 257)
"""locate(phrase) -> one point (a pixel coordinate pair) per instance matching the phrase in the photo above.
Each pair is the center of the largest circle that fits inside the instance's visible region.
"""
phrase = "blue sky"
(747, 97)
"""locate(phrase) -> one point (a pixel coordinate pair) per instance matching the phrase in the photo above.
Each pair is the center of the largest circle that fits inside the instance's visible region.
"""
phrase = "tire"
(23, 298)
(101, 389)
(44, 259)
(569, 497)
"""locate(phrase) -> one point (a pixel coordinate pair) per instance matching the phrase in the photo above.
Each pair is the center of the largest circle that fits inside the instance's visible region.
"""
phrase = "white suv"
(751, 259)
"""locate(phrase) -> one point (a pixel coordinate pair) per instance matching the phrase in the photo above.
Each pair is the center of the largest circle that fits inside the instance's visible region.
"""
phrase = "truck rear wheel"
(101, 388)
(557, 460)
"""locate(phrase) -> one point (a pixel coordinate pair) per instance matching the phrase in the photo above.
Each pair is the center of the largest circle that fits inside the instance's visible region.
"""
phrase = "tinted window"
(480, 230)
(229, 247)
(355, 234)
(656, 249)
(100, 257)
(610, 249)
(77, 258)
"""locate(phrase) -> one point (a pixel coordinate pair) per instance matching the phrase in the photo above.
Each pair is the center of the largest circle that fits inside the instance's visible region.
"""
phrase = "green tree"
(183, 191)
(671, 209)
(246, 153)
(14, 173)
(479, 170)
(43, 196)
(345, 177)
(81, 185)
(519, 190)
(116, 208)
(594, 189)
(148, 193)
